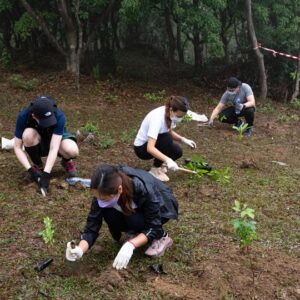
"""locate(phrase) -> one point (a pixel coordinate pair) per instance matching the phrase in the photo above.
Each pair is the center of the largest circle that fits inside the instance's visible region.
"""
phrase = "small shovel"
(41, 189)
(187, 170)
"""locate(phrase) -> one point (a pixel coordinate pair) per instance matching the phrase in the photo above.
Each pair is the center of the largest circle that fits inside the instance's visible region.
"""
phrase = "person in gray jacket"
(128, 200)
(237, 101)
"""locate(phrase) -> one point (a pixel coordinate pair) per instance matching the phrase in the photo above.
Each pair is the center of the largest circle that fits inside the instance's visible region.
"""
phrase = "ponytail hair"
(106, 179)
(176, 103)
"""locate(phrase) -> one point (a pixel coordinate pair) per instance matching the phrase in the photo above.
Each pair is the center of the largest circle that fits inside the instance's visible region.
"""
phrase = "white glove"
(172, 165)
(122, 259)
(190, 143)
(211, 123)
(73, 254)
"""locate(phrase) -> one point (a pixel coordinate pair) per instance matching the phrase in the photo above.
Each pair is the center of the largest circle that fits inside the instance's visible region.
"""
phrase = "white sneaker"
(159, 174)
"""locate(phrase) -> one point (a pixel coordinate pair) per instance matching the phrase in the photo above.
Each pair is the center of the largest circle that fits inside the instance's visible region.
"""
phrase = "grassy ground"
(205, 261)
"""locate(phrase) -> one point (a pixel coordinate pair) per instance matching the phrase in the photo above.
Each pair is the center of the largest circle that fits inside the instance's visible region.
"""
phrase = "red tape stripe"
(276, 52)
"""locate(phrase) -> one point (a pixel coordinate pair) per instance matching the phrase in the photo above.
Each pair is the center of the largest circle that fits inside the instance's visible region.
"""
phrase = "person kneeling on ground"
(243, 105)
(41, 129)
(155, 138)
(128, 200)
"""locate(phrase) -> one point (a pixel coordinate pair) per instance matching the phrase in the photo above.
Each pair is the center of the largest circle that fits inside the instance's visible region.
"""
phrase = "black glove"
(44, 180)
(34, 174)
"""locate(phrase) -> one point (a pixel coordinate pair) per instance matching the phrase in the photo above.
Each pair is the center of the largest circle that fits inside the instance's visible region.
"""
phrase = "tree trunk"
(260, 58)
(72, 30)
(114, 25)
(297, 81)
(179, 42)
(198, 49)
(7, 34)
(171, 38)
(45, 29)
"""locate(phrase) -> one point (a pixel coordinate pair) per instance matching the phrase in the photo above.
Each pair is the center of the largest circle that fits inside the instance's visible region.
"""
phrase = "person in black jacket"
(129, 200)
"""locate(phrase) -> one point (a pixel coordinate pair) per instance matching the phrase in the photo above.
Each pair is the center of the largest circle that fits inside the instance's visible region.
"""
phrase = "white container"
(7, 144)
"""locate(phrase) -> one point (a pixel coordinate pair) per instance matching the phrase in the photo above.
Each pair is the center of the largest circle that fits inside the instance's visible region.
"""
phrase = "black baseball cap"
(233, 82)
(43, 108)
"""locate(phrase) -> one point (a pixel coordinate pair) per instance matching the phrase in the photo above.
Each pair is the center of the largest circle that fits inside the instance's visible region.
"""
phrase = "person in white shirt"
(156, 136)
(237, 101)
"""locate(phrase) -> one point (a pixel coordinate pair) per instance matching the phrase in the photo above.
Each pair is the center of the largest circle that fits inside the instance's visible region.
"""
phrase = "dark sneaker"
(69, 167)
(248, 132)
(158, 247)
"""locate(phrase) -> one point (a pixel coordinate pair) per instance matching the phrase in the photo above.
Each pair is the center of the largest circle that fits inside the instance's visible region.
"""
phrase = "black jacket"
(154, 199)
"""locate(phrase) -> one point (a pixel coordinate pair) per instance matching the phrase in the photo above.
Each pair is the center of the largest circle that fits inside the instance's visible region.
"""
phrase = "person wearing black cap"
(40, 128)
(156, 136)
(241, 98)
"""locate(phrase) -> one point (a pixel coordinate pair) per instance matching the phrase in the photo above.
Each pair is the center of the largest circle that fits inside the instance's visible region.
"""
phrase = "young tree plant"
(244, 225)
(241, 129)
(48, 232)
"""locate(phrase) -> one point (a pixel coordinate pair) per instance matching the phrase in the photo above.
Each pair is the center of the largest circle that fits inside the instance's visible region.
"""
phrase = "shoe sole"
(163, 180)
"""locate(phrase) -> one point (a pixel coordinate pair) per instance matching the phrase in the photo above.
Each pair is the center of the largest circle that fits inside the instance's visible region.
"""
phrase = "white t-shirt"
(153, 125)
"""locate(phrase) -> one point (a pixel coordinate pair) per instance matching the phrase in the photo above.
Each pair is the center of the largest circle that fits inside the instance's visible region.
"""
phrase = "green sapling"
(48, 232)
(241, 129)
(244, 225)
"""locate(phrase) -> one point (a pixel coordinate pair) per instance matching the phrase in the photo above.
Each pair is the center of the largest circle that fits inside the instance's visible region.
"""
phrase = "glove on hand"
(172, 165)
(122, 259)
(211, 123)
(34, 174)
(238, 108)
(73, 254)
(44, 180)
(190, 143)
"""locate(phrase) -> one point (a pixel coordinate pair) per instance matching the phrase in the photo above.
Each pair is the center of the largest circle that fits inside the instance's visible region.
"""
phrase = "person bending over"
(128, 200)
(41, 129)
(241, 101)
(156, 136)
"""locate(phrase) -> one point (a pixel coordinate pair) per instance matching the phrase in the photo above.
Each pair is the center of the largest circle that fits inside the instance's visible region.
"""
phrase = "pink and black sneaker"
(158, 247)
(70, 168)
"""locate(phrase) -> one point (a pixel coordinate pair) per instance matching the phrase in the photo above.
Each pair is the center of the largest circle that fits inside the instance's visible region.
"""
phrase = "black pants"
(165, 145)
(118, 222)
(228, 115)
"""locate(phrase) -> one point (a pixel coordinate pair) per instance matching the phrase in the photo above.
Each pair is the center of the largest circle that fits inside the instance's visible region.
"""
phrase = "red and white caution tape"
(276, 52)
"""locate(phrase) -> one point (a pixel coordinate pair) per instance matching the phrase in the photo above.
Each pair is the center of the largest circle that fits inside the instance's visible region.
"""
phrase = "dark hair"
(233, 82)
(106, 180)
(176, 103)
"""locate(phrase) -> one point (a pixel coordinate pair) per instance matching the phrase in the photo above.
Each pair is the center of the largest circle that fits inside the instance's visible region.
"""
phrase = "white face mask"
(231, 93)
(104, 203)
(176, 119)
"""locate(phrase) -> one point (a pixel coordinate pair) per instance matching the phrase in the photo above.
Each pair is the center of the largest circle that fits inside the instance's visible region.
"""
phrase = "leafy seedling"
(110, 98)
(187, 118)
(201, 167)
(221, 175)
(155, 97)
(244, 225)
(241, 129)
(48, 232)
(89, 127)
(223, 118)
